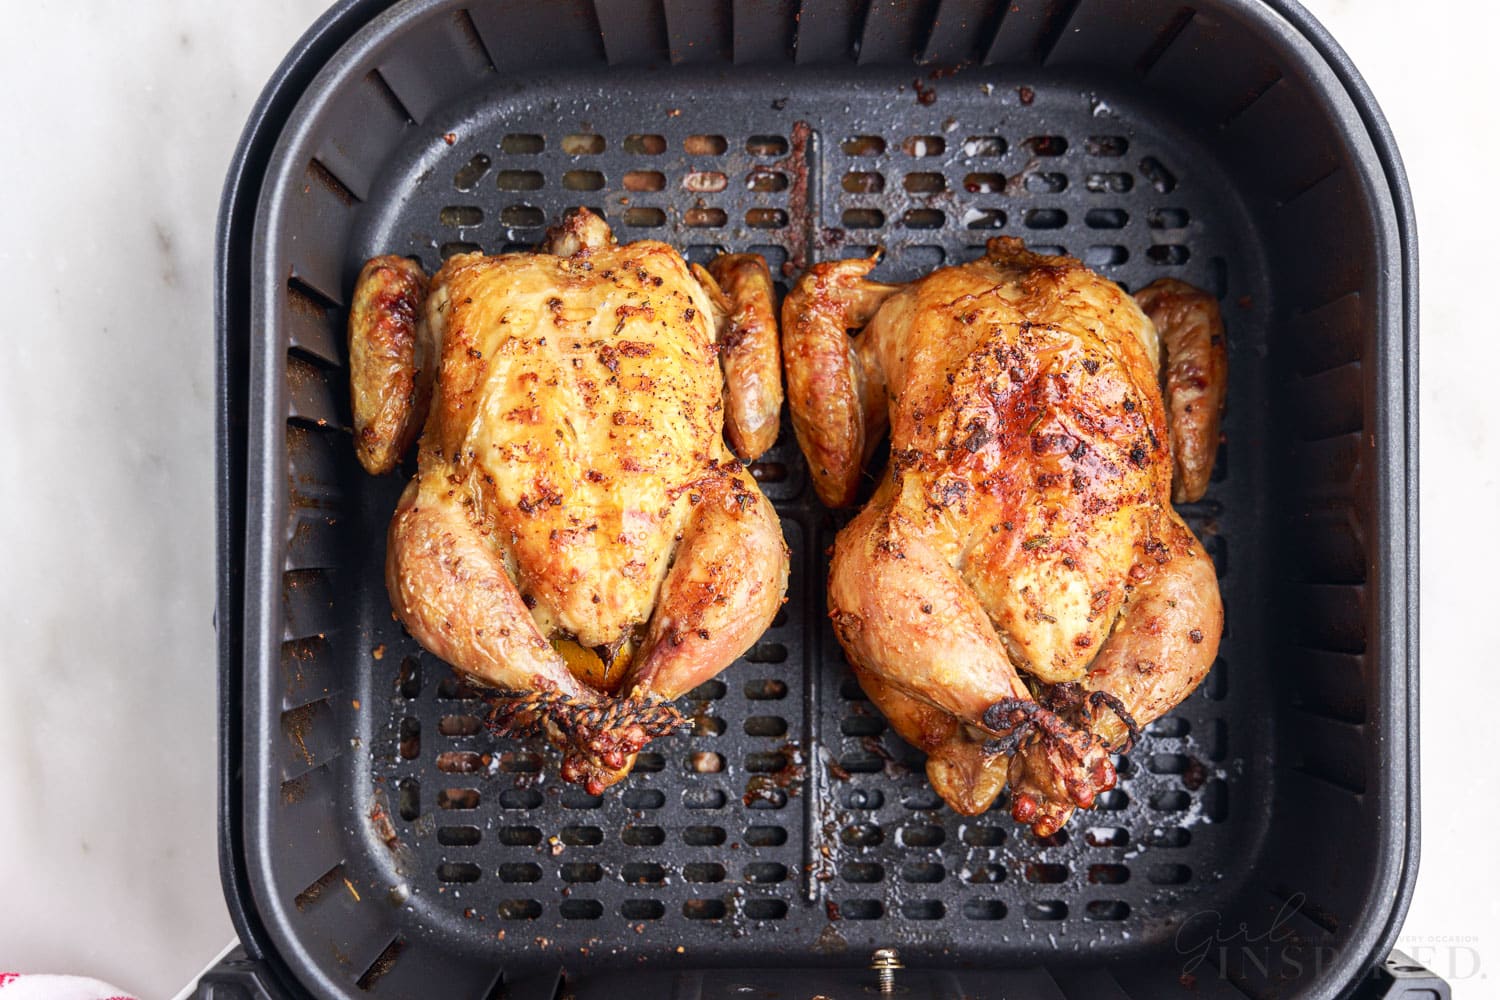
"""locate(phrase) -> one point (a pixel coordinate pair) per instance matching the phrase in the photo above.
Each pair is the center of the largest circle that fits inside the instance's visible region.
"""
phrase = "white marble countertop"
(117, 132)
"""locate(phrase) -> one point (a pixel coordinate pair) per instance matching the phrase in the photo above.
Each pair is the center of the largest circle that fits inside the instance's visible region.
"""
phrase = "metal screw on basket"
(886, 963)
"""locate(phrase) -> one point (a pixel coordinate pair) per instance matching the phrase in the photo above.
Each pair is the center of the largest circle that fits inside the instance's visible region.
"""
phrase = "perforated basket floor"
(790, 820)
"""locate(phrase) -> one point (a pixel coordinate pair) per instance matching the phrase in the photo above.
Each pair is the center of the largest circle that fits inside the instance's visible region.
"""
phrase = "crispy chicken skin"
(577, 529)
(1018, 595)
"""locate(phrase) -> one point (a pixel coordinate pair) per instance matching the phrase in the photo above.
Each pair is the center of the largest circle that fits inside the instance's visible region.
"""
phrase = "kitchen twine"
(15, 986)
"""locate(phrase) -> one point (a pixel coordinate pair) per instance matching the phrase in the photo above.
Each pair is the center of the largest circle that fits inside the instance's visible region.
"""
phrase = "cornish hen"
(577, 532)
(1019, 595)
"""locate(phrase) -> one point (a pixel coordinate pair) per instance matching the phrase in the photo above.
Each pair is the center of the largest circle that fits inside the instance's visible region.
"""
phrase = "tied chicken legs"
(1019, 595)
(577, 534)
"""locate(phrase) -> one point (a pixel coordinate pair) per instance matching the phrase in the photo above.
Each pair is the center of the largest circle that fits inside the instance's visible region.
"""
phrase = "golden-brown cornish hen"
(577, 532)
(1018, 596)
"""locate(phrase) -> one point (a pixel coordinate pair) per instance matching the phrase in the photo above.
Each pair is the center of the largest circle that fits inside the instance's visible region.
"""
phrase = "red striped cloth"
(15, 986)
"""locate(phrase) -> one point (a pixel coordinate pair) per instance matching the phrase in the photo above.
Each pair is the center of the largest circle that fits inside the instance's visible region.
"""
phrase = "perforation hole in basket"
(1046, 873)
(984, 218)
(862, 725)
(704, 799)
(409, 738)
(766, 181)
(519, 798)
(766, 145)
(700, 217)
(645, 217)
(923, 872)
(923, 218)
(580, 909)
(1106, 145)
(409, 801)
(582, 180)
(765, 726)
(925, 835)
(863, 218)
(765, 218)
(579, 836)
(1168, 254)
(649, 762)
(459, 725)
(461, 215)
(519, 180)
(983, 183)
(1106, 909)
(764, 909)
(704, 909)
(704, 762)
(861, 798)
(643, 798)
(708, 725)
(455, 247)
(862, 872)
(1045, 218)
(581, 871)
(522, 217)
(1046, 909)
(642, 836)
(984, 146)
(1167, 218)
(862, 909)
(644, 144)
(986, 874)
(409, 677)
(1106, 836)
(1109, 182)
(704, 836)
(469, 175)
(976, 835)
(1045, 145)
(520, 762)
(705, 145)
(1106, 218)
(582, 144)
(1155, 173)
(643, 180)
(1108, 874)
(522, 144)
(862, 835)
(766, 689)
(519, 909)
(575, 797)
(459, 836)
(863, 182)
(458, 798)
(460, 762)
(1046, 182)
(704, 181)
(521, 836)
(642, 909)
(1100, 256)
(925, 182)
(643, 873)
(921, 146)
(863, 145)
(521, 872)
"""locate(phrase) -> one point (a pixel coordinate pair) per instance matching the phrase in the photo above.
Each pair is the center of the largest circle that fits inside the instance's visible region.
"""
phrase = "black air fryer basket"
(376, 840)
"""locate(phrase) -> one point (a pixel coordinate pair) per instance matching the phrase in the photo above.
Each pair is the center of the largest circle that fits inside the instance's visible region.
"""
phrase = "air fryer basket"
(375, 839)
